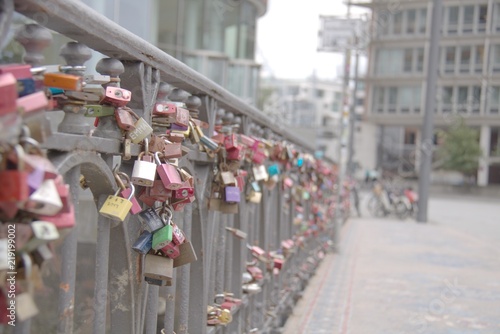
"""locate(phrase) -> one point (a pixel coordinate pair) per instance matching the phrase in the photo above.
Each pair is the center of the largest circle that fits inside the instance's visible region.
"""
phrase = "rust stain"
(64, 286)
(149, 56)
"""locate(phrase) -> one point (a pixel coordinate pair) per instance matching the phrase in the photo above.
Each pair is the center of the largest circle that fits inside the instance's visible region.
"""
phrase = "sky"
(287, 39)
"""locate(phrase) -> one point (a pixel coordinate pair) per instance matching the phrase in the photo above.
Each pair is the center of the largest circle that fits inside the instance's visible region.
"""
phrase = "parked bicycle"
(385, 202)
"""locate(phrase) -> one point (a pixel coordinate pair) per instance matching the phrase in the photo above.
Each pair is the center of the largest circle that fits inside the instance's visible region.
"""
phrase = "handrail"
(78, 21)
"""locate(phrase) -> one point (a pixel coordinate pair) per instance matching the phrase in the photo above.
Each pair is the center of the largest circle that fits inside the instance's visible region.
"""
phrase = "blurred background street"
(395, 277)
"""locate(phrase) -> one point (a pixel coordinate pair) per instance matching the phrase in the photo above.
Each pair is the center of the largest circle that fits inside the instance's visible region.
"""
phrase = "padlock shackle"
(118, 179)
(157, 158)
(146, 145)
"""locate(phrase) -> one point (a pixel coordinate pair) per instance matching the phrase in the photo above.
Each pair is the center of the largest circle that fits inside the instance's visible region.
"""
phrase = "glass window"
(495, 58)
(483, 16)
(379, 98)
(417, 99)
(462, 98)
(320, 93)
(476, 99)
(420, 59)
(452, 20)
(479, 56)
(449, 64)
(393, 99)
(497, 17)
(411, 17)
(447, 99)
(468, 21)
(397, 24)
(422, 20)
(494, 99)
(389, 61)
(167, 27)
(465, 53)
(408, 60)
(405, 99)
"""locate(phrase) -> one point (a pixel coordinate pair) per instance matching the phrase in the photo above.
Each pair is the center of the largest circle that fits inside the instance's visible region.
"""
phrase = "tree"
(460, 150)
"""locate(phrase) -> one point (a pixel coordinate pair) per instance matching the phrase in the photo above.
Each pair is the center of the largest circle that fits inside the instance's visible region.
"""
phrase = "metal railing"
(117, 299)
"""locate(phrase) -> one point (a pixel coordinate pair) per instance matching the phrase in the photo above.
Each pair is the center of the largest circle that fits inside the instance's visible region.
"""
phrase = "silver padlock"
(45, 200)
(43, 233)
(144, 171)
(158, 267)
(260, 173)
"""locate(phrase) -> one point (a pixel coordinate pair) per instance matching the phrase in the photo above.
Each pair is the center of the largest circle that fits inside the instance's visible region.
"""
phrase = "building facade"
(468, 84)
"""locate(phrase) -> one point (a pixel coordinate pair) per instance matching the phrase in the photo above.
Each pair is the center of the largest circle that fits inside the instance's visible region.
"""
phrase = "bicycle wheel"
(401, 210)
(376, 208)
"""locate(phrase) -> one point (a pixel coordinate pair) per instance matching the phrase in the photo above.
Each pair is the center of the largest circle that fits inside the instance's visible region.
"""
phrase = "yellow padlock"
(225, 317)
(116, 207)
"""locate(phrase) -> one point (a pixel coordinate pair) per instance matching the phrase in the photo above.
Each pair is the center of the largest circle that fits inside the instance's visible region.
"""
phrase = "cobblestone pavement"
(394, 277)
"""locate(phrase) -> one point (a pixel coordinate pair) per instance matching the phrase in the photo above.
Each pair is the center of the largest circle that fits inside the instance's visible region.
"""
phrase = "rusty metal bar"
(68, 262)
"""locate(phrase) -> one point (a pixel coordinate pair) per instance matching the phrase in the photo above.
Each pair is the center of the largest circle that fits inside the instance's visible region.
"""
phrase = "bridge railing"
(95, 282)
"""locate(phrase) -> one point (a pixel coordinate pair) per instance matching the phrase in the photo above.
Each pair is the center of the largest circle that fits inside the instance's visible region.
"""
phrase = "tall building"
(468, 84)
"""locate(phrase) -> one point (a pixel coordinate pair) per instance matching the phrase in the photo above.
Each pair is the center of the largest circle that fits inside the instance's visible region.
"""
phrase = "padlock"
(158, 282)
(65, 218)
(117, 208)
(164, 109)
(159, 192)
(168, 174)
(8, 91)
(209, 143)
(179, 205)
(163, 236)
(227, 177)
(144, 197)
(175, 137)
(157, 143)
(43, 232)
(63, 81)
(144, 172)
(257, 251)
(143, 243)
(240, 182)
(187, 254)
(237, 153)
(182, 117)
(82, 96)
(96, 79)
(127, 191)
(273, 170)
(45, 200)
(231, 141)
(237, 233)
(142, 130)
(260, 173)
(172, 151)
(232, 194)
(33, 102)
(171, 250)
(97, 110)
(19, 71)
(151, 219)
(158, 267)
(186, 177)
(42, 254)
(117, 97)
(178, 236)
(183, 192)
(256, 273)
(5, 248)
(14, 183)
(125, 118)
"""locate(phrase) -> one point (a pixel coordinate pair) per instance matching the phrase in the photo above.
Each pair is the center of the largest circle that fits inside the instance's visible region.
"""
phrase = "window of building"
(476, 99)
(478, 58)
(465, 53)
(405, 99)
(420, 60)
(449, 62)
(495, 142)
(408, 60)
(494, 102)
(378, 97)
(468, 19)
(411, 20)
(422, 21)
(495, 58)
(462, 98)
(447, 99)
(410, 137)
(496, 26)
(393, 99)
(320, 93)
(452, 20)
(482, 18)
(397, 23)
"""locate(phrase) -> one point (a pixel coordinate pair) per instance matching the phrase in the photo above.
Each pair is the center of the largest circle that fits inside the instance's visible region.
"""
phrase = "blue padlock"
(143, 244)
(273, 170)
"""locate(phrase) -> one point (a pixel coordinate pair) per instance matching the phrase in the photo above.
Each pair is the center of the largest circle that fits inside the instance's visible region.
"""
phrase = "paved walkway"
(395, 277)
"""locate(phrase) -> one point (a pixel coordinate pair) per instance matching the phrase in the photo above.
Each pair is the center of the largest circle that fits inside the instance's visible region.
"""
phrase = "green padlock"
(163, 236)
(97, 110)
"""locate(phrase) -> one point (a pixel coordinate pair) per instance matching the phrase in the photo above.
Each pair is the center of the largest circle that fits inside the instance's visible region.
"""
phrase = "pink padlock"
(168, 174)
(33, 102)
(171, 250)
(117, 97)
(8, 92)
(126, 191)
(178, 236)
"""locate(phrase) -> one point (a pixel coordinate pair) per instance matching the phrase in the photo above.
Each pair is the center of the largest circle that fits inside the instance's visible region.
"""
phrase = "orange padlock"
(63, 81)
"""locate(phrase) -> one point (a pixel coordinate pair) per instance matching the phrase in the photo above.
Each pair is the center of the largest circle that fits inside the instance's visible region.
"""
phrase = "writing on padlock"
(151, 219)
(117, 208)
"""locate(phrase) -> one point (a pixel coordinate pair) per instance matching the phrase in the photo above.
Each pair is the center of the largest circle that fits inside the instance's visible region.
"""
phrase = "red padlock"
(165, 109)
(117, 97)
(231, 141)
(33, 102)
(171, 250)
(182, 117)
(172, 150)
(8, 92)
(124, 119)
(14, 182)
(178, 236)
(159, 192)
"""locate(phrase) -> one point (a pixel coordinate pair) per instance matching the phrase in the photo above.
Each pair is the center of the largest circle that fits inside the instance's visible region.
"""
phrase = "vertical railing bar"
(151, 315)
(68, 262)
(220, 255)
(169, 317)
(101, 271)
(183, 279)
(229, 264)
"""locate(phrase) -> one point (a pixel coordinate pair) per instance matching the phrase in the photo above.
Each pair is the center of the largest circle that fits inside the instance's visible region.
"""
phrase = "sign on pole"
(336, 34)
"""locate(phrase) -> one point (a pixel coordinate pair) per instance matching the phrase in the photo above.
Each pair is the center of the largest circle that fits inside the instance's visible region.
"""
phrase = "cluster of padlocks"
(35, 202)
